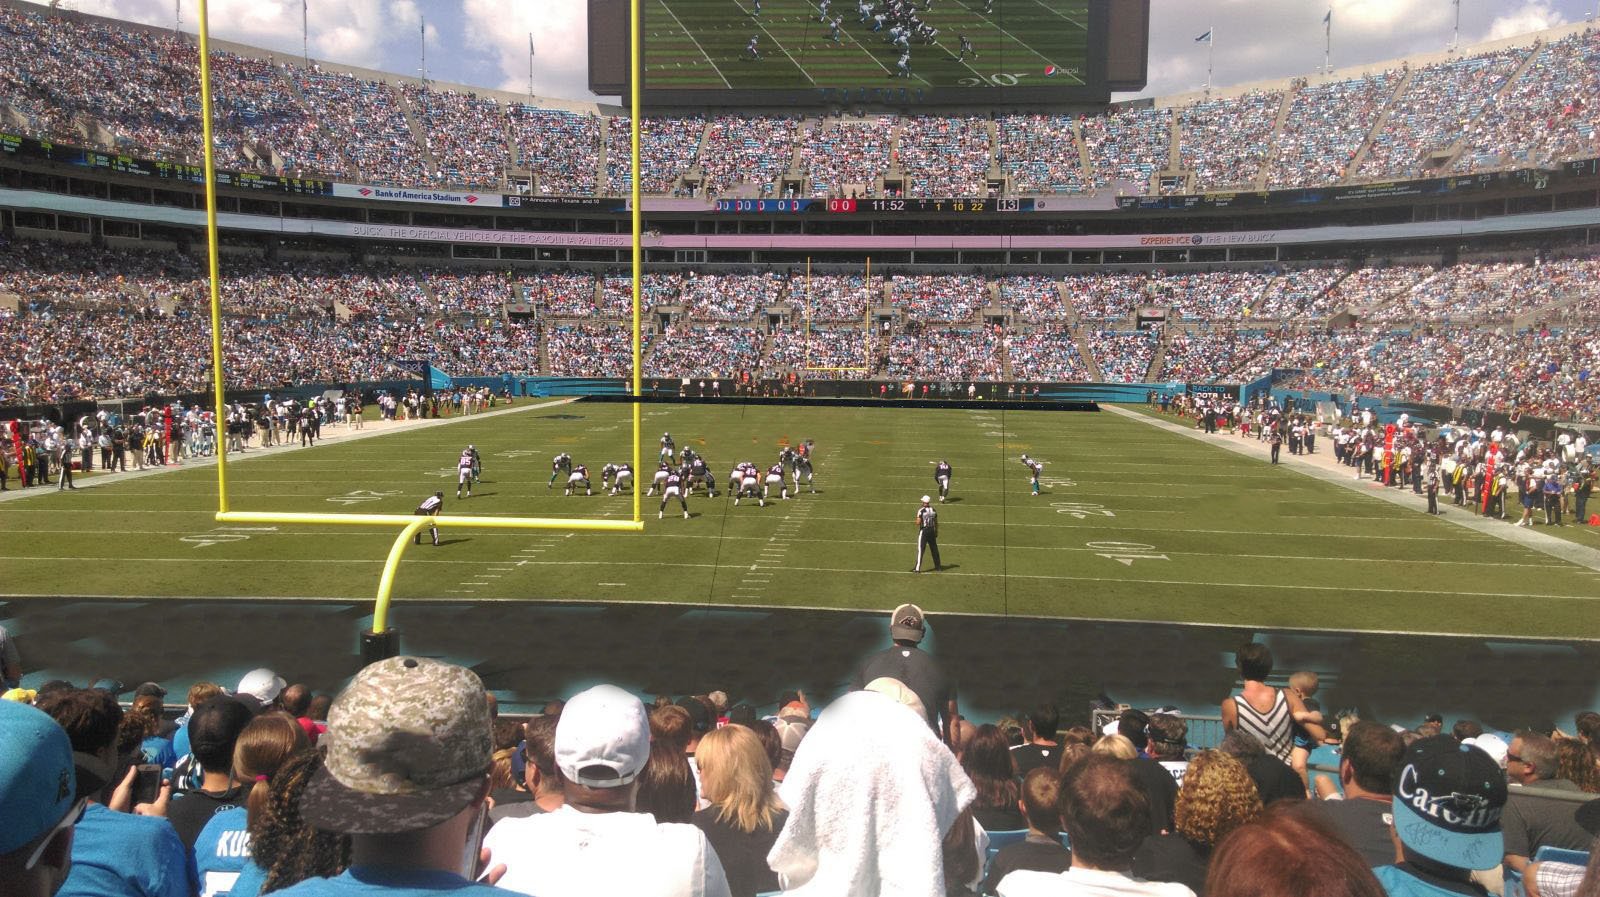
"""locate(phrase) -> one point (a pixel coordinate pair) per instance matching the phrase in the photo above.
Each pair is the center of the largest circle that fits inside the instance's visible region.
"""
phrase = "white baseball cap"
(262, 684)
(603, 727)
(926, 499)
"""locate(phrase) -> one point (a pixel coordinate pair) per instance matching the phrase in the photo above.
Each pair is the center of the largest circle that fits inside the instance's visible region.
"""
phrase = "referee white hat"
(926, 500)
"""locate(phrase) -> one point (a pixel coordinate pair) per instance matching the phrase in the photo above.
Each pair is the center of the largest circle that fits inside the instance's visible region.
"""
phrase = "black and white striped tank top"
(1274, 729)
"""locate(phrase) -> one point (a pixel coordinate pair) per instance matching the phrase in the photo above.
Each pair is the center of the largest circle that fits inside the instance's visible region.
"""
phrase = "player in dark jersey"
(749, 484)
(430, 508)
(464, 472)
(774, 478)
(663, 470)
(578, 477)
(561, 464)
(700, 472)
(941, 475)
(477, 463)
(673, 488)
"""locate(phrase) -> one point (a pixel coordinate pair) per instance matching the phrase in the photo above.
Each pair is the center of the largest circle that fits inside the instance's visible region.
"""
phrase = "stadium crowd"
(887, 788)
(133, 90)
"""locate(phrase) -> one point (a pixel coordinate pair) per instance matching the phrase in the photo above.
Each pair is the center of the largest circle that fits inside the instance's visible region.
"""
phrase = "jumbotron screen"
(899, 51)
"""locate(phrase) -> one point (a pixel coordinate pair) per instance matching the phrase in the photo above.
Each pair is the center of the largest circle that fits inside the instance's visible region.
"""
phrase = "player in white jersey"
(1034, 469)
(673, 488)
(774, 478)
(802, 471)
(668, 448)
(464, 472)
(660, 480)
(941, 475)
(561, 464)
(621, 477)
(430, 508)
(578, 477)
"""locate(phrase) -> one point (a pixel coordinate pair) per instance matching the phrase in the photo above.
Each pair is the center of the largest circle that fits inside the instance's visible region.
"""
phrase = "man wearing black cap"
(915, 667)
(1447, 802)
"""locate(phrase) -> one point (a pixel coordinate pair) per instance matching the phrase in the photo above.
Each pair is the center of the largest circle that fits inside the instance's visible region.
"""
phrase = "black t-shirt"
(1275, 779)
(1364, 825)
(1032, 854)
(917, 669)
(1161, 790)
(1172, 858)
(999, 819)
(1028, 757)
(191, 810)
(743, 854)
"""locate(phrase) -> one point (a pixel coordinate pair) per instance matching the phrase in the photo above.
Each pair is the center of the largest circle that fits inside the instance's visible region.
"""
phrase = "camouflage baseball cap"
(408, 746)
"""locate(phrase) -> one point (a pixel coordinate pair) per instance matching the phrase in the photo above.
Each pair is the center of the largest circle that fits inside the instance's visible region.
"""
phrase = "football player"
(1034, 469)
(464, 471)
(663, 470)
(561, 464)
(941, 475)
(673, 488)
(579, 476)
(774, 478)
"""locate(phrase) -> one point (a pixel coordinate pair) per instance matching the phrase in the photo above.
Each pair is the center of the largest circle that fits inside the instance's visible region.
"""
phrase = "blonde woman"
(1116, 746)
(745, 815)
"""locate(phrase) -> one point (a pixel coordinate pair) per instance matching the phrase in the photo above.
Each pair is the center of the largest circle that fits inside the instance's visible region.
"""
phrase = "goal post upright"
(409, 524)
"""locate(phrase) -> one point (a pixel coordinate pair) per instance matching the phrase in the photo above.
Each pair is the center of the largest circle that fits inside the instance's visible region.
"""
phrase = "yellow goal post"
(409, 524)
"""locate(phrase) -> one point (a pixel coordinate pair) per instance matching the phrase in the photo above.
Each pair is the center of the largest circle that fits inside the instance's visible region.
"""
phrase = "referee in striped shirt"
(927, 534)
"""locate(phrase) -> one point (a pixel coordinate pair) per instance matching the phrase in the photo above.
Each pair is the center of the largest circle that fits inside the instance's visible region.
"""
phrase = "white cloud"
(1533, 16)
(560, 30)
(354, 32)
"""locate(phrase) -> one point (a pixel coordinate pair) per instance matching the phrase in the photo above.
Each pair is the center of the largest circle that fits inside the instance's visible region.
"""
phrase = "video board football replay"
(902, 52)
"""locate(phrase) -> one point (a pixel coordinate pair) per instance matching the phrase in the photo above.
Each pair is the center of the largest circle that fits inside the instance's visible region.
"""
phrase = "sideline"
(1322, 466)
(371, 429)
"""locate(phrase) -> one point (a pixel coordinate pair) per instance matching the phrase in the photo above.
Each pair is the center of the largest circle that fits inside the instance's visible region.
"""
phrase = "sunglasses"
(69, 820)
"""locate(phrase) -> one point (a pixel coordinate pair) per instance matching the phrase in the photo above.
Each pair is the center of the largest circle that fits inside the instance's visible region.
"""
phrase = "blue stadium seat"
(1561, 855)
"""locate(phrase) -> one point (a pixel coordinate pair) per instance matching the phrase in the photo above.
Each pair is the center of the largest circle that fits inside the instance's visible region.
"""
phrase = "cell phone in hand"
(146, 783)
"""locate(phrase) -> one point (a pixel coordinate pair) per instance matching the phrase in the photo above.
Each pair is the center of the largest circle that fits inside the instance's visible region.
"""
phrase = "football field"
(703, 44)
(1134, 523)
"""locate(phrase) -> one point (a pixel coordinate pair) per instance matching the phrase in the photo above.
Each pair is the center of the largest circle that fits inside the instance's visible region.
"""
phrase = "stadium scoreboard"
(781, 53)
(874, 206)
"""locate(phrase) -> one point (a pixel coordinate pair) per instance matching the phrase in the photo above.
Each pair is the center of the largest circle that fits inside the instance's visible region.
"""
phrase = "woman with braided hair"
(284, 849)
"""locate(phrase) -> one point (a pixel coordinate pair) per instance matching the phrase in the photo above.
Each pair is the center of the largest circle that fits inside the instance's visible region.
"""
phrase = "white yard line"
(690, 34)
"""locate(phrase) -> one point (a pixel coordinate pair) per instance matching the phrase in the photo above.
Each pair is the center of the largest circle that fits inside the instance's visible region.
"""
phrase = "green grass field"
(1135, 524)
(700, 44)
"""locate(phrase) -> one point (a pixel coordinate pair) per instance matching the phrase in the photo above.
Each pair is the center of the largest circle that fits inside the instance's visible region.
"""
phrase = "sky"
(485, 42)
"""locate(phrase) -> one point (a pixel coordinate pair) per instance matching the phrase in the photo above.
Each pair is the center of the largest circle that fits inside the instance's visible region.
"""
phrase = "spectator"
(213, 735)
(199, 693)
(1106, 817)
(114, 851)
(1557, 879)
(39, 805)
(1039, 747)
(1274, 779)
(745, 815)
(406, 775)
(1041, 849)
(908, 663)
(597, 842)
(539, 772)
(1159, 786)
(1263, 711)
(1531, 822)
(222, 850)
(139, 733)
(1369, 757)
(10, 662)
(1576, 762)
(1448, 799)
(869, 761)
(1288, 850)
(296, 700)
(667, 789)
(1169, 739)
(284, 849)
(1217, 797)
(986, 759)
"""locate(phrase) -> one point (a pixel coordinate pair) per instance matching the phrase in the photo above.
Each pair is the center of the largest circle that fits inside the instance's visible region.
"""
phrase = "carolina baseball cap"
(37, 784)
(602, 730)
(907, 623)
(1447, 803)
(263, 684)
(408, 746)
